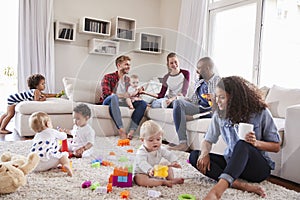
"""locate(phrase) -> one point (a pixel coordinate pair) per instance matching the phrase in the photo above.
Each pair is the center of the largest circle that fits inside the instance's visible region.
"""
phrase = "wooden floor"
(287, 184)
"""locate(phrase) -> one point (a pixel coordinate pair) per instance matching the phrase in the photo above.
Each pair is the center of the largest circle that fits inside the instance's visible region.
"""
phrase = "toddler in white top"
(83, 134)
(45, 143)
(150, 154)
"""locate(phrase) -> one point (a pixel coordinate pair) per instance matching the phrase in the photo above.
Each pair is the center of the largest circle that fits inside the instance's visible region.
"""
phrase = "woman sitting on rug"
(237, 100)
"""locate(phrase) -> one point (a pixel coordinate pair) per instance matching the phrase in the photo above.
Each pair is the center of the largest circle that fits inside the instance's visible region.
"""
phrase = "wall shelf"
(123, 28)
(65, 31)
(148, 43)
(103, 47)
(94, 26)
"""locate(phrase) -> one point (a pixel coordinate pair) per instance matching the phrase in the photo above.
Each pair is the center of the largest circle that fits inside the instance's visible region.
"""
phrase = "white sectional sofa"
(284, 105)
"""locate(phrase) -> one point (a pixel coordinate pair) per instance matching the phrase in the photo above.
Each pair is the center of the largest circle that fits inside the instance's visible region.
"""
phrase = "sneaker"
(180, 147)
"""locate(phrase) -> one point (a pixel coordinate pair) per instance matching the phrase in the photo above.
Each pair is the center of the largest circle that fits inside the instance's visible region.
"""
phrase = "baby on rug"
(150, 154)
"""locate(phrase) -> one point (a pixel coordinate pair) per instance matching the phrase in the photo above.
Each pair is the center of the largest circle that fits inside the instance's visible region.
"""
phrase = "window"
(280, 57)
(232, 37)
(8, 49)
(265, 54)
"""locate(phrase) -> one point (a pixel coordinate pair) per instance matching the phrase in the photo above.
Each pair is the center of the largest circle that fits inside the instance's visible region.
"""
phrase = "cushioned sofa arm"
(291, 146)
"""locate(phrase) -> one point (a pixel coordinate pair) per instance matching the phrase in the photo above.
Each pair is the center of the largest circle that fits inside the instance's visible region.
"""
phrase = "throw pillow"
(150, 87)
(82, 90)
(279, 99)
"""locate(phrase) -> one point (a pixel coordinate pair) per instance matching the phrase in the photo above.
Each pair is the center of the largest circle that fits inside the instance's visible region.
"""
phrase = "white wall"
(153, 16)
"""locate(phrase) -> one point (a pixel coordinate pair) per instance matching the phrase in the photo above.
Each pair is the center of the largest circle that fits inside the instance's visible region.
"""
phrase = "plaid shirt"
(109, 84)
(212, 83)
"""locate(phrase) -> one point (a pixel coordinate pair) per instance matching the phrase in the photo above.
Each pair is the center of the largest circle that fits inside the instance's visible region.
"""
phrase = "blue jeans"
(181, 108)
(246, 163)
(157, 103)
(113, 102)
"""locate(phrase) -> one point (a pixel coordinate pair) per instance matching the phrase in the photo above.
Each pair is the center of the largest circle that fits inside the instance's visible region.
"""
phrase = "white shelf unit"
(148, 43)
(123, 28)
(103, 47)
(65, 31)
(94, 26)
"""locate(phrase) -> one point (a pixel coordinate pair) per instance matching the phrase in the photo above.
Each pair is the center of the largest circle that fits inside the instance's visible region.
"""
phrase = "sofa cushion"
(199, 125)
(51, 106)
(101, 111)
(280, 98)
(151, 87)
(82, 90)
(161, 114)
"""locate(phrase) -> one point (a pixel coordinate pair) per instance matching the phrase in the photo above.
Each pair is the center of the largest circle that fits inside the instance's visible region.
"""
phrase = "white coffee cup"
(244, 128)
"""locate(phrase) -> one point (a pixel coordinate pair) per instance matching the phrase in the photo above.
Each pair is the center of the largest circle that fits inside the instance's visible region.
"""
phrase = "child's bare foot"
(68, 169)
(4, 131)
(168, 183)
(177, 181)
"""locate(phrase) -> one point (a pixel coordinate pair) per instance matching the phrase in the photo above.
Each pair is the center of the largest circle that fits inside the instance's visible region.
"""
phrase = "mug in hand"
(244, 128)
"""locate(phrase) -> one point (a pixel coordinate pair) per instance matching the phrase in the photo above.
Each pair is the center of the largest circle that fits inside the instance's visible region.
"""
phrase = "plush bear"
(13, 170)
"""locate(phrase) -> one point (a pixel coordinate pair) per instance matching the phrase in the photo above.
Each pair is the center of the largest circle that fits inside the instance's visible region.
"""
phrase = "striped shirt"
(19, 97)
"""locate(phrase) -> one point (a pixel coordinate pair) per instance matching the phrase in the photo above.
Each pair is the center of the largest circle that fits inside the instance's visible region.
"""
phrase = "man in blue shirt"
(197, 103)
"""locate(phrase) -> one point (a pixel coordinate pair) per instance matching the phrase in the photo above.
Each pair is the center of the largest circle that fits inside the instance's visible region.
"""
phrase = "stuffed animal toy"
(13, 170)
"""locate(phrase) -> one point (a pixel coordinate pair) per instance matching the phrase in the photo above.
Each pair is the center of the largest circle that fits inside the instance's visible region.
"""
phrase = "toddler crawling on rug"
(83, 134)
(150, 154)
(45, 143)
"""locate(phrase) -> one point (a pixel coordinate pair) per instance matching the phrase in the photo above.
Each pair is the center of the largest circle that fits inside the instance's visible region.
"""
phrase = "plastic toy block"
(123, 142)
(109, 187)
(96, 165)
(124, 194)
(130, 151)
(101, 190)
(122, 184)
(97, 160)
(110, 180)
(112, 153)
(123, 159)
(129, 168)
(161, 171)
(106, 163)
(64, 146)
(86, 184)
(120, 171)
(95, 185)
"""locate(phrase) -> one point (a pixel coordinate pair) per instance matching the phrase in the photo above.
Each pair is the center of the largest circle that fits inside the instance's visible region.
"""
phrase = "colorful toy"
(122, 176)
(123, 142)
(124, 194)
(60, 94)
(109, 187)
(130, 151)
(161, 171)
(186, 196)
(95, 185)
(96, 164)
(206, 96)
(154, 193)
(64, 147)
(86, 184)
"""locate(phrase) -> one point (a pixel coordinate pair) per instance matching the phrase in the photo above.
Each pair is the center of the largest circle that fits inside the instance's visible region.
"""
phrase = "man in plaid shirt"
(114, 92)
(198, 103)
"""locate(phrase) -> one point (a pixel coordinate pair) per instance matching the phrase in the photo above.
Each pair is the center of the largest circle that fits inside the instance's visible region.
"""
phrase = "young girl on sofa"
(45, 143)
(36, 84)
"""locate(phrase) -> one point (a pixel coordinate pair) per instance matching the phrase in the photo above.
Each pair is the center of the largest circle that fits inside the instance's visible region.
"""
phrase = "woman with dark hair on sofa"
(237, 100)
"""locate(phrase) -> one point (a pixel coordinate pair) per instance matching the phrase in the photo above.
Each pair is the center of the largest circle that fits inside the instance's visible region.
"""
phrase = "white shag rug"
(55, 184)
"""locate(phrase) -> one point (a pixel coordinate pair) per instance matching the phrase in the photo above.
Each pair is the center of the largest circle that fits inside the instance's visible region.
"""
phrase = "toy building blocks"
(96, 164)
(95, 185)
(109, 187)
(64, 147)
(123, 142)
(161, 171)
(124, 194)
(86, 184)
(122, 177)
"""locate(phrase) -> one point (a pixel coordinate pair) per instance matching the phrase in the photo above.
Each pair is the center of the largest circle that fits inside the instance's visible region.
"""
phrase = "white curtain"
(36, 42)
(191, 32)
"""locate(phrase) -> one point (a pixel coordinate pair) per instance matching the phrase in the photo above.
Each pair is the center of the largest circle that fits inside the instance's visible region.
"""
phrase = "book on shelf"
(67, 36)
(62, 34)
(71, 34)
